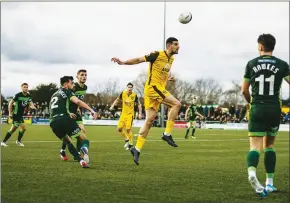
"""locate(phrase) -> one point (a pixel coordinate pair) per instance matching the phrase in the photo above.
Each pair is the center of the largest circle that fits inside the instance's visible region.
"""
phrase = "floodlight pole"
(164, 46)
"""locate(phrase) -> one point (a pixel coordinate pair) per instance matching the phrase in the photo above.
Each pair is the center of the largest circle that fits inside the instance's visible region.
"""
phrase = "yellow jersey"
(159, 68)
(128, 102)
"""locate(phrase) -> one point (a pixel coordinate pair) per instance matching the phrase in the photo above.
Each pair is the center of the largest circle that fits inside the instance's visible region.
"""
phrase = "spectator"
(205, 111)
(211, 111)
(232, 110)
(183, 108)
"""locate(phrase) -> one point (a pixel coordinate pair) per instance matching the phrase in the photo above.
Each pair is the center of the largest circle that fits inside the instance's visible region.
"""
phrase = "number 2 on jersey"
(53, 102)
(261, 79)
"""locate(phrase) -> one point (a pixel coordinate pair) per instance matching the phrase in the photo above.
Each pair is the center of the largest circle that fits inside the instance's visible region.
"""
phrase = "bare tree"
(139, 84)
(181, 89)
(186, 91)
(109, 91)
(91, 99)
(208, 91)
(233, 96)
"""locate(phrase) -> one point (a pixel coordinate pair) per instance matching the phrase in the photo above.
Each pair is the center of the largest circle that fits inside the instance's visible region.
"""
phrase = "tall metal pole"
(164, 46)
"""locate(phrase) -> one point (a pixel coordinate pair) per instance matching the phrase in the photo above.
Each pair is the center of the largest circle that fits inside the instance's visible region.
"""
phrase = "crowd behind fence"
(211, 113)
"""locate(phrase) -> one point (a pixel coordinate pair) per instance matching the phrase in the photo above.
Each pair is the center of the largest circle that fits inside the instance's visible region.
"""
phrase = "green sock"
(63, 146)
(193, 131)
(86, 143)
(253, 160)
(20, 134)
(270, 161)
(8, 135)
(187, 131)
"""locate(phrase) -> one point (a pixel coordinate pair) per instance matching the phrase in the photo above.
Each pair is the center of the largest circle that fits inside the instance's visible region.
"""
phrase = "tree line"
(207, 90)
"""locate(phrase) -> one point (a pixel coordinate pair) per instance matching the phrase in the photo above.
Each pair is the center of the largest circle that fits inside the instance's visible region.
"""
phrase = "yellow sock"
(130, 136)
(169, 127)
(140, 143)
(124, 134)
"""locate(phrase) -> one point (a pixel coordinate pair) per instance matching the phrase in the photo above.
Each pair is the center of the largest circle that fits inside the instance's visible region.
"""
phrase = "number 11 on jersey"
(261, 79)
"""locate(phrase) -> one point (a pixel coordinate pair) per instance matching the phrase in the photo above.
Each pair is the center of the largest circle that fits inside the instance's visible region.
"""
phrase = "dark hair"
(24, 84)
(65, 79)
(268, 41)
(81, 71)
(130, 84)
(170, 40)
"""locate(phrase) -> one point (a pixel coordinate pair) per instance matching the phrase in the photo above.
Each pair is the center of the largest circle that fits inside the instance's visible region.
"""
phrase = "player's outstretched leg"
(270, 162)
(135, 151)
(62, 153)
(253, 160)
(8, 135)
(85, 143)
(74, 152)
(175, 106)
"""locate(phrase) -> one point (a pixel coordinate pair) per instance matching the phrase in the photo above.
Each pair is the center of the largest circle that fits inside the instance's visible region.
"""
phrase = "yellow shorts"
(153, 96)
(125, 121)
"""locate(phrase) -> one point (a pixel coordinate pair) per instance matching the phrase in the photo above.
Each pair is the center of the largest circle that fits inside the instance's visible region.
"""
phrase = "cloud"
(44, 41)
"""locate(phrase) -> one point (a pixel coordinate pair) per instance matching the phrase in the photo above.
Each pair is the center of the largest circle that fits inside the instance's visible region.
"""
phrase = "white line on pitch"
(179, 140)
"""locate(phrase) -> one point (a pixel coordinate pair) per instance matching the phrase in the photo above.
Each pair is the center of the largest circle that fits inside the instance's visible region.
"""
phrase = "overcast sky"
(40, 42)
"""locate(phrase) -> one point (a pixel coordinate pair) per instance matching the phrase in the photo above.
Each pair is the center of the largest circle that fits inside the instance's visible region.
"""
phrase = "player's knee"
(177, 104)
(149, 122)
(13, 129)
(82, 137)
(120, 130)
(128, 130)
(23, 128)
(266, 146)
(256, 148)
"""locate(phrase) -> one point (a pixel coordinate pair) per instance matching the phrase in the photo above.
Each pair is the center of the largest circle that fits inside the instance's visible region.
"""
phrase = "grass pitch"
(211, 168)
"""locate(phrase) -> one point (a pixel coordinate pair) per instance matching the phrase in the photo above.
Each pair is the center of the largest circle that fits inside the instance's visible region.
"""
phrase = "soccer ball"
(185, 17)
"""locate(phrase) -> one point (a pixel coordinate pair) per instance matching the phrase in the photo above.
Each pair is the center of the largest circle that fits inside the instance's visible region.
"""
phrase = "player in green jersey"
(190, 116)
(80, 91)
(265, 75)
(62, 122)
(21, 101)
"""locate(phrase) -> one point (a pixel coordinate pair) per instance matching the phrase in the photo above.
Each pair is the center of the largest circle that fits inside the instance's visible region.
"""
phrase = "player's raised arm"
(132, 61)
(148, 58)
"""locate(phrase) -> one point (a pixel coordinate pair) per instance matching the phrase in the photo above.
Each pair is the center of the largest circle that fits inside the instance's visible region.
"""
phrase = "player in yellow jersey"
(160, 63)
(129, 98)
